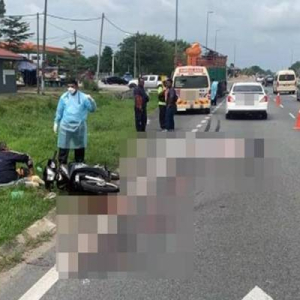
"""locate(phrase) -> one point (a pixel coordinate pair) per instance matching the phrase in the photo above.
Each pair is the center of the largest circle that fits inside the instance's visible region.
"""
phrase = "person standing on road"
(171, 99)
(214, 92)
(162, 106)
(140, 106)
(70, 122)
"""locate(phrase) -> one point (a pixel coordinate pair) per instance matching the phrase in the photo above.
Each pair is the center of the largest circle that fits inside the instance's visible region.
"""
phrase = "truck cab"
(192, 85)
(151, 82)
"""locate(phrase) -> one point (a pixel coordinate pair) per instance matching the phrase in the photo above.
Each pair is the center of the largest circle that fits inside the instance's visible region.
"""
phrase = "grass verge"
(26, 123)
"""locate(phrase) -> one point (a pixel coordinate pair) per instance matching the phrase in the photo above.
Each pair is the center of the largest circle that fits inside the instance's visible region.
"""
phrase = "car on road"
(268, 80)
(127, 76)
(285, 82)
(247, 98)
(260, 78)
(151, 82)
(114, 80)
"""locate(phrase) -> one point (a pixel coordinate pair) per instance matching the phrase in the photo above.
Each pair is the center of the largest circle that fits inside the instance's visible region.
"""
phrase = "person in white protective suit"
(70, 122)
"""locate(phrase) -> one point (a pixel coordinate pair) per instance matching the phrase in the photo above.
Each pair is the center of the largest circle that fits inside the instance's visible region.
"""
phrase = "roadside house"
(8, 71)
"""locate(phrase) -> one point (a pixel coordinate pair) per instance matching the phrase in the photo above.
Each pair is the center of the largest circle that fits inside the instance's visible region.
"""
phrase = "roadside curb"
(12, 252)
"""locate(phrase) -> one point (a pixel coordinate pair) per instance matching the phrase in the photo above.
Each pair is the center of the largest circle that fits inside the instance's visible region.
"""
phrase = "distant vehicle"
(247, 98)
(268, 80)
(192, 85)
(127, 76)
(151, 82)
(114, 80)
(285, 82)
(260, 78)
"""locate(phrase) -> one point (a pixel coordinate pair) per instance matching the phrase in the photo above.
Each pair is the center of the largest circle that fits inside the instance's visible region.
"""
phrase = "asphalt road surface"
(242, 240)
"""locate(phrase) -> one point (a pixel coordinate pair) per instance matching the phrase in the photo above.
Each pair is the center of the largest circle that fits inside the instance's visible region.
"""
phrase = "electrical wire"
(117, 27)
(75, 20)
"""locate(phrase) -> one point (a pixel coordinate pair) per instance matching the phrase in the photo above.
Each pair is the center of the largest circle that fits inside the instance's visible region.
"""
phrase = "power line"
(83, 37)
(75, 20)
(117, 27)
(17, 16)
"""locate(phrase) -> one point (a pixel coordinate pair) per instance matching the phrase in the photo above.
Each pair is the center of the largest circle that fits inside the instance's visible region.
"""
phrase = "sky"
(263, 32)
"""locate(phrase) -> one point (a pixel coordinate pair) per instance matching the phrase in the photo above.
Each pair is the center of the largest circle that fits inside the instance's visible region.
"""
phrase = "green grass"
(26, 125)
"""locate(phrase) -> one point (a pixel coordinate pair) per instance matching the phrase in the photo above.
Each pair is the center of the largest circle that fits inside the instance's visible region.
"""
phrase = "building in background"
(8, 61)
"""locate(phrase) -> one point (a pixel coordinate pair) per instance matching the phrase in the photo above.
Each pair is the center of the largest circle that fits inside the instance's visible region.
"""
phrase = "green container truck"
(219, 74)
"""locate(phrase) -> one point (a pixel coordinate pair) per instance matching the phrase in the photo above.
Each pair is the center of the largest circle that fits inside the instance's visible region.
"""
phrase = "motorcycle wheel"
(92, 187)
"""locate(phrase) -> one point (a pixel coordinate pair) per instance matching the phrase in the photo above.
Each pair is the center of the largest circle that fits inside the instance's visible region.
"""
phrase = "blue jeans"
(170, 112)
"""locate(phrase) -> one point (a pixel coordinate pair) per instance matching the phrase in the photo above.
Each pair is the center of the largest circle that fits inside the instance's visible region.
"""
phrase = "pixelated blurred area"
(147, 231)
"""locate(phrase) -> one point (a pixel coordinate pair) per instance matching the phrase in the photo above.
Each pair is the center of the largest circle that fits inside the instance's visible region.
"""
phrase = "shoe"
(164, 130)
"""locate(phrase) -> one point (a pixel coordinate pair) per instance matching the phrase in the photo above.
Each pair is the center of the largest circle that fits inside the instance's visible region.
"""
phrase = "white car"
(247, 98)
(260, 79)
(151, 82)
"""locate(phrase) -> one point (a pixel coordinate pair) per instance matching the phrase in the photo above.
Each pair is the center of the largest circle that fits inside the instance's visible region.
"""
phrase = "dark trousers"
(162, 116)
(140, 119)
(214, 101)
(64, 154)
(170, 112)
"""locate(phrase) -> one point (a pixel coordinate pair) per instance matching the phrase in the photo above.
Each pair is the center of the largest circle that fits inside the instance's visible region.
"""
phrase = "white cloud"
(277, 18)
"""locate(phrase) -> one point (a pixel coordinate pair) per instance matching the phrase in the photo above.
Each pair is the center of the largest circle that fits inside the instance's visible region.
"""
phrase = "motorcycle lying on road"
(80, 178)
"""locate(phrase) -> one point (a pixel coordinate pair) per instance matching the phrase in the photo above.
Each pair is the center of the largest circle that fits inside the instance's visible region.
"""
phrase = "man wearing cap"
(8, 165)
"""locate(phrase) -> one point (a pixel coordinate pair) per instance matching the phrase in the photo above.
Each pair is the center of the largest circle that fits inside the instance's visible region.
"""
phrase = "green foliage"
(2, 8)
(2, 13)
(154, 54)
(91, 63)
(73, 60)
(106, 60)
(15, 32)
(254, 70)
(296, 67)
(90, 85)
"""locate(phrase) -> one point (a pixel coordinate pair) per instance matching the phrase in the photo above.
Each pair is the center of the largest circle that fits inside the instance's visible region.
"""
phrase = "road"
(242, 240)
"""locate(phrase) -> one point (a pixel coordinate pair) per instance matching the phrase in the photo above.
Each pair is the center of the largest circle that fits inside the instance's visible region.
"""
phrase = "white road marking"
(40, 288)
(195, 130)
(207, 118)
(257, 294)
(199, 126)
(292, 116)
(204, 121)
(148, 122)
(281, 106)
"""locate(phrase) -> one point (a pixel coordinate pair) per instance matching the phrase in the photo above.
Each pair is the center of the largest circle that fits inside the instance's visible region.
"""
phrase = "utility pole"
(216, 39)
(292, 57)
(234, 55)
(176, 36)
(44, 46)
(100, 47)
(207, 25)
(38, 53)
(113, 65)
(76, 56)
(135, 54)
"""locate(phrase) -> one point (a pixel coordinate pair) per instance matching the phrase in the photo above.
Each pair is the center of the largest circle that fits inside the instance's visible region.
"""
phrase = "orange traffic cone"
(297, 126)
(278, 100)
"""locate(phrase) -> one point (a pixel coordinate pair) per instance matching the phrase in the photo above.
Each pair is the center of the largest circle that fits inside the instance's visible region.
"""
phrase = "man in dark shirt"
(140, 108)
(171, 99)
(8, 164)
